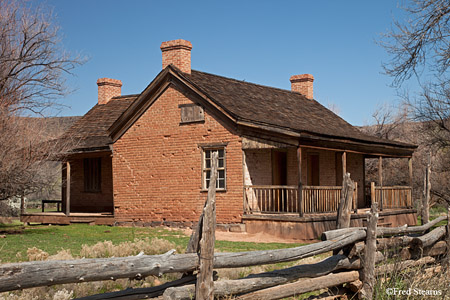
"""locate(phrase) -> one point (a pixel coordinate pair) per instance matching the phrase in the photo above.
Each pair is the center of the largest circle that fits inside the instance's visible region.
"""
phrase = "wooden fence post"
(447, 237)
(373, 197)
(427, 194)
(370, 251)
(345, 203)
(204, 289)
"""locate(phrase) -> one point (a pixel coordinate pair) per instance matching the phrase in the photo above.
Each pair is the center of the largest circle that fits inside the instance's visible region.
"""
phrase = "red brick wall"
(259, 167)
(157, 166)
(81, 201)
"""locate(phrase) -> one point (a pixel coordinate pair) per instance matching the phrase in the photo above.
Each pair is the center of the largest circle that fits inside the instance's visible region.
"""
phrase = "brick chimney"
(303, 84)
(107, 89)
(177, 53)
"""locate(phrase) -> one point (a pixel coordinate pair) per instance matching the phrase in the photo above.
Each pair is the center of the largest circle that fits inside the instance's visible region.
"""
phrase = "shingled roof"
(242, 100)
(91, 131)
(278, 107)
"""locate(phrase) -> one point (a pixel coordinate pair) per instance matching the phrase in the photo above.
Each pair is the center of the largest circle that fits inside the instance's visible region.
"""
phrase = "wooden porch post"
(344, 163)
(300, 185)
(380, 180)
(410, 167)
(244, 197)
(68, 188)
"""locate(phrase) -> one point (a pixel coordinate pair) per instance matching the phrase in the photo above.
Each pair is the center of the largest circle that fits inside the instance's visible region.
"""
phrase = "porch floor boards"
(331, 216)
(60, 218)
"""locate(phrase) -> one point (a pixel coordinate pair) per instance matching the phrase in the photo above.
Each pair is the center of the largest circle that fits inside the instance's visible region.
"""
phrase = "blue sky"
(264, 42)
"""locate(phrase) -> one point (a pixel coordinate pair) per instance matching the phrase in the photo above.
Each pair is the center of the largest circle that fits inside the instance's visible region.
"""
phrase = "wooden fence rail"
(42, 273)
(14, 276)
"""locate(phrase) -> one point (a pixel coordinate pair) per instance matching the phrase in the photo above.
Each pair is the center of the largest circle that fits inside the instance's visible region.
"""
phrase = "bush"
(9, 208)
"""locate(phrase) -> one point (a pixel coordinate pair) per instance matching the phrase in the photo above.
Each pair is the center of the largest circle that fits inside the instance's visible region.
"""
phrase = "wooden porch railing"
(284, 199)
(270, 198)
(394, 196)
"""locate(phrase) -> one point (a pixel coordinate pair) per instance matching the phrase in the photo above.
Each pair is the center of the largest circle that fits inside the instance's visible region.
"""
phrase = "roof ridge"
(125, 96)
(256, 84)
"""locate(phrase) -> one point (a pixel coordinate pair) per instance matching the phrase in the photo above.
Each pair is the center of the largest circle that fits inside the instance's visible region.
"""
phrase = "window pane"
(207, 164)
(221, 184)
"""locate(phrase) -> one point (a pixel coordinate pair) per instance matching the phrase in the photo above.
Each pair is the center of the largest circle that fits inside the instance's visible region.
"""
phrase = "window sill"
(217, 190)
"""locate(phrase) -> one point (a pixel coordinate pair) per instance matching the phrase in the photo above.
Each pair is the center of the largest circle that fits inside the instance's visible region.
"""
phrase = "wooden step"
(83, 221)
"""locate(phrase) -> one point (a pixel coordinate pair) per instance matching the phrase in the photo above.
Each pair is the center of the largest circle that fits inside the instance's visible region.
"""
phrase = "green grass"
(54, 238)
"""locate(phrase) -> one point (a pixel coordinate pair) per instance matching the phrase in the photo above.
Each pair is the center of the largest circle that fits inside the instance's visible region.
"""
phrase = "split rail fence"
(358, 253)
(335, 270)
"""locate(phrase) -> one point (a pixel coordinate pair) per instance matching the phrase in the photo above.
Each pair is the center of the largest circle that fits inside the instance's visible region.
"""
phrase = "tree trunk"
(205, 286)
(22, 204)
(370, 249)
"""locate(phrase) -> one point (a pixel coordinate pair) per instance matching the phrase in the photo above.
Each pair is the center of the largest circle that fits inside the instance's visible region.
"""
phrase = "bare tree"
(420, 41)
(387, 119)
(33, 66)
(32, 62)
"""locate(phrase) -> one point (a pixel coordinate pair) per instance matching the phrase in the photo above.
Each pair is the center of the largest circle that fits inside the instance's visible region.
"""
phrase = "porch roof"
(282, 109)
(90, 132)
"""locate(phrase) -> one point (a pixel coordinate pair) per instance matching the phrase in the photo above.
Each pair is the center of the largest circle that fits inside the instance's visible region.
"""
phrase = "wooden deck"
(60, 218)
(311, 226)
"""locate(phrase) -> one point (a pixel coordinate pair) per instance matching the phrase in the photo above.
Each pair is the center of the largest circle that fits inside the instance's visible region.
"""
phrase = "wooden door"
(279, 178)
(313, 169)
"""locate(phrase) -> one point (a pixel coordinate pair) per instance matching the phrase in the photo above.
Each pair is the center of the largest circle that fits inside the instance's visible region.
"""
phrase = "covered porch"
(86, 192)
(300, 180)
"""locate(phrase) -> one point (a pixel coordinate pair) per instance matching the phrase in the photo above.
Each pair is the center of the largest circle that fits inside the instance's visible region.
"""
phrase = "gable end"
(169, 76)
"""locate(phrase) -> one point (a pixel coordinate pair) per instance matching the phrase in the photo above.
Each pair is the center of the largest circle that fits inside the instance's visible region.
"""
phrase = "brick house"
(145, 158)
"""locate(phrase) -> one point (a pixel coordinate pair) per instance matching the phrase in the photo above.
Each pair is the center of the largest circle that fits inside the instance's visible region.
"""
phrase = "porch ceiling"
(368, 149)
(259, 143)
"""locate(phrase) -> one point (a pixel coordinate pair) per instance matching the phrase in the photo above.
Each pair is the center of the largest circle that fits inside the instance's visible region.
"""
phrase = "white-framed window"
(221, 169)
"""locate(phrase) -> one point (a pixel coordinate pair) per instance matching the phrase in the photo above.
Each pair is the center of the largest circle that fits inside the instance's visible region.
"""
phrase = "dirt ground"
(247, 237)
